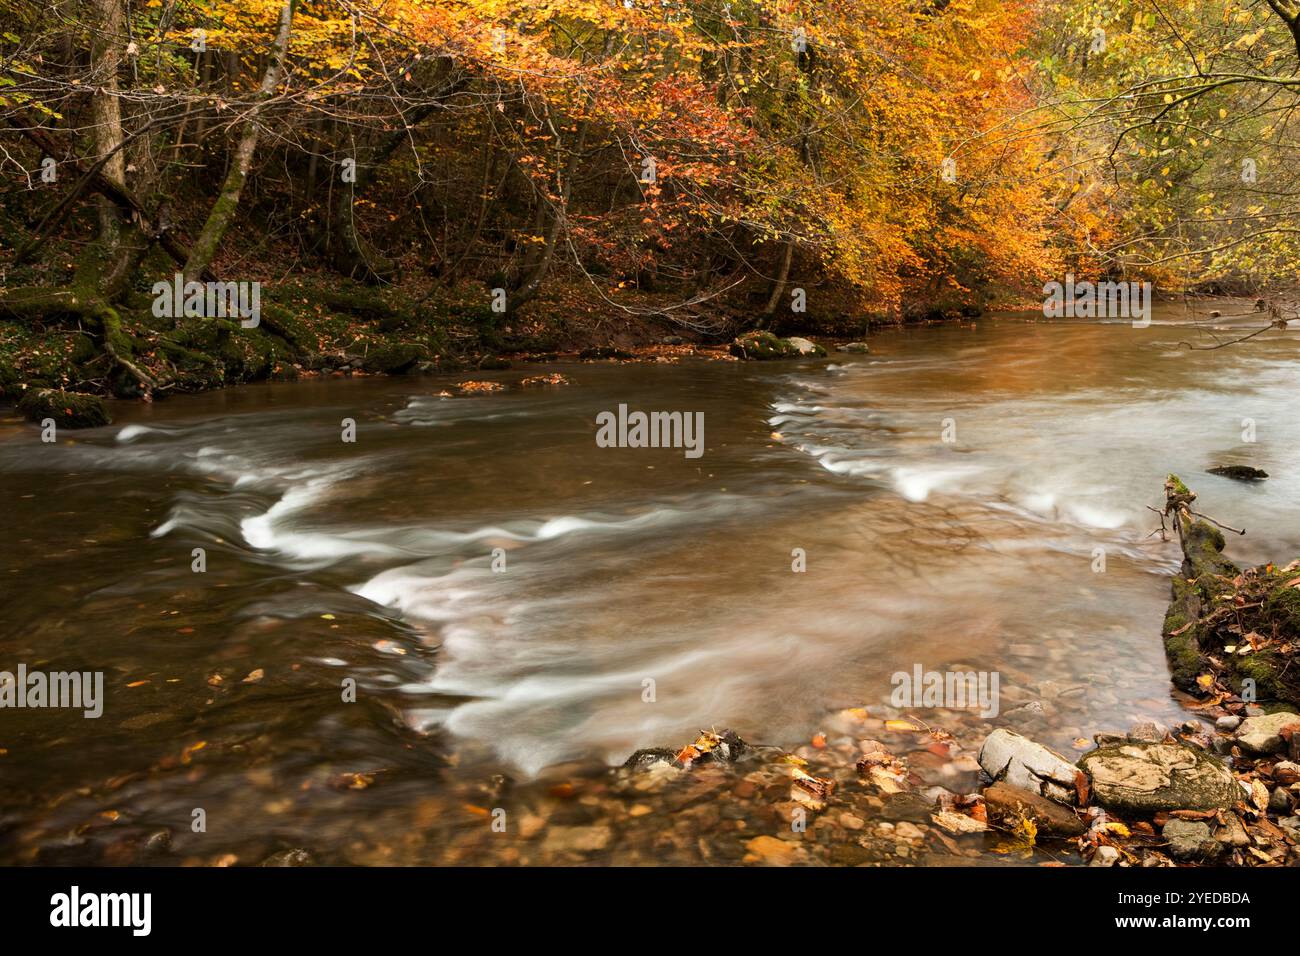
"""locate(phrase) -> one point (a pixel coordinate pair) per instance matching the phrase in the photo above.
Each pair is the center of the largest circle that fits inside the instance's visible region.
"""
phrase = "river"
(513, 601)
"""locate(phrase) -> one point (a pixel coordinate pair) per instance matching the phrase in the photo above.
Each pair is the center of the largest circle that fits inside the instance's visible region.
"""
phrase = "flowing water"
(508, 597)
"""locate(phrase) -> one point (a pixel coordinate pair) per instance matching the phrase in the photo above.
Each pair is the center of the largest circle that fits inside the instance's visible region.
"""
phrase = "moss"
(1177, 484)
(1203, 557)
(83, 349)
(68, 409)
(287, 325)
(761, 346)
(395, 359)
(1282, 606)
(1182, 642)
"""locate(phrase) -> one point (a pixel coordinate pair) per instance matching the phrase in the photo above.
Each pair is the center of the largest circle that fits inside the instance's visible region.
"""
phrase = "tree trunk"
(106, 110)
(778, 287)
(223, 210)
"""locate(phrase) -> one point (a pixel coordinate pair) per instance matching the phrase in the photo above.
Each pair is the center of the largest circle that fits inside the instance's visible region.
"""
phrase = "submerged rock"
(295, 857)
(68, 409)
(859, 348)
(726, 747)
(649, 757)
(1239, 472)
(1019, 761)
(1147, 777)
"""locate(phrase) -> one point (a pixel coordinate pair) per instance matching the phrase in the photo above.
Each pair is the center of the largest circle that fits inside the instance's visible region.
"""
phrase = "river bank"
(311, 326)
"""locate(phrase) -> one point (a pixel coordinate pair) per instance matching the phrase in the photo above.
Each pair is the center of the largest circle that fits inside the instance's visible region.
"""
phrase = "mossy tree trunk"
(223, 210)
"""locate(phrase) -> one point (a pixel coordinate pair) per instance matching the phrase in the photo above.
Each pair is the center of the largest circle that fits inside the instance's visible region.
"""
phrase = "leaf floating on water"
(254, 676)
(901, 725)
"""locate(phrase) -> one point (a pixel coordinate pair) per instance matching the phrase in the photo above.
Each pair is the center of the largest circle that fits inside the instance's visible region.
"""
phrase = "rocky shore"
(883, 787)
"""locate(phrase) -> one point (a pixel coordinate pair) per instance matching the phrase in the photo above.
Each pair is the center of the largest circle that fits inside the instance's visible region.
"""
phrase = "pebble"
(1105, 856)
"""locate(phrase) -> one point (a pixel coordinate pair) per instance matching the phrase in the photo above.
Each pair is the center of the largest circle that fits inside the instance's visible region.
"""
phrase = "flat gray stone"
(1263, 735)
(1191, 840)
(1147, 777)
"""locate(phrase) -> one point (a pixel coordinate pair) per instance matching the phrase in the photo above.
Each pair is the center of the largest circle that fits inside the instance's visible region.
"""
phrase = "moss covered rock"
(763, 346)
(1148, 777)
(68, 409)
(396, 359)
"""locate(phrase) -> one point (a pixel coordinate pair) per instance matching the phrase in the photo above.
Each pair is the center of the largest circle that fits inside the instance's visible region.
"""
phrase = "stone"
(1292, 827)
(958, 824)
(295, 857)
(804, 346)
(67, 409)
(1233, 833)
(1020, 762)
(1027, 714)
(1191, 840)
(1286, 772)
(530, 824)
(1227, 723)
(1263, 734)
(769, 851)
(644, 759)
(396, 359)
(1105, 856)
(1240, 472)
(906, 806)
(1148, 732)
(859, 348)
(1279, 801)
(761, 346)
(1009, 805)
(766, 345)
(577, 839)
(909, 831)
(1146, 777)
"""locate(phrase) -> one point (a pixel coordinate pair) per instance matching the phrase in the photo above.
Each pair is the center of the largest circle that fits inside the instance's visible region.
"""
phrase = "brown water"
(373, 561)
